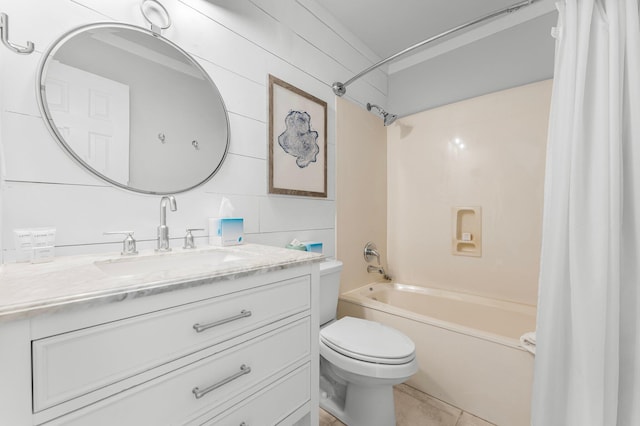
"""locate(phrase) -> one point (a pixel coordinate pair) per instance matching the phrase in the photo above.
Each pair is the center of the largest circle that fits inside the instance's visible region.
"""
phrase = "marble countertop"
(26, 289)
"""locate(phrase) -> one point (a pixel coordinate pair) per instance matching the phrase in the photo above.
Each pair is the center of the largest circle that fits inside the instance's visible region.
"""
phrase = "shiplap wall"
(238, 42)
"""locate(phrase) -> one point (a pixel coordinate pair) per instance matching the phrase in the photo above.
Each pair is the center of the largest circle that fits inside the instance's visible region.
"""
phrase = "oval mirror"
(133, 108)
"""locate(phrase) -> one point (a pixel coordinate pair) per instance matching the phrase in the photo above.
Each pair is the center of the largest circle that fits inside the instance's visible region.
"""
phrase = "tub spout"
(380, 270)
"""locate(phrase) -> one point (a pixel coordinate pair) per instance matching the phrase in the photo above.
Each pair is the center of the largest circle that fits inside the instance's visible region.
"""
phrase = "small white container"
(35, 245)
(22, 243)
(43, 237)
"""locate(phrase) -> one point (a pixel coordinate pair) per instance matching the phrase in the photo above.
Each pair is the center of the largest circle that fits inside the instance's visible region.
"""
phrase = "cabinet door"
(206, 387)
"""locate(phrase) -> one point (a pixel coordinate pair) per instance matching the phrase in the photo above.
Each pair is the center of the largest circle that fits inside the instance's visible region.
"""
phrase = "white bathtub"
(467, 346)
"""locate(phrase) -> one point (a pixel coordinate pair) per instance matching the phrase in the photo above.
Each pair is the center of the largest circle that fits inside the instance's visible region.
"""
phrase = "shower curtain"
(587, 366)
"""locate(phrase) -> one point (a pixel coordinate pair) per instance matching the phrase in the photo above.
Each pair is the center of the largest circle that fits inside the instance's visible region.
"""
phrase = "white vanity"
(208, 336)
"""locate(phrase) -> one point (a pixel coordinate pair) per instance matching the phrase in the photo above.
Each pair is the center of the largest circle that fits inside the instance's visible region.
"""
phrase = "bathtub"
(467, 346)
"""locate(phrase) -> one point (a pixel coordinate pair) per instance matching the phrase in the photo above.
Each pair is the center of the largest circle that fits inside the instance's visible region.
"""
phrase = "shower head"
(388, 118)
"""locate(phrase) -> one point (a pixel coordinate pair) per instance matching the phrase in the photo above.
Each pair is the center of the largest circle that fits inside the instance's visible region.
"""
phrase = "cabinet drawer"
(270, 405)
(76, 363)
(170, 399)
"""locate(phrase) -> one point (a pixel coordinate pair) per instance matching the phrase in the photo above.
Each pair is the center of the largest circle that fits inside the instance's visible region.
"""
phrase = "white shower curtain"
(587, 366)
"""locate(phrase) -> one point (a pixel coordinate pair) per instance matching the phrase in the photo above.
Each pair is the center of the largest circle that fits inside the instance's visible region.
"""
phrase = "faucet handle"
(371, 251)
(189, 243)
(128, 244)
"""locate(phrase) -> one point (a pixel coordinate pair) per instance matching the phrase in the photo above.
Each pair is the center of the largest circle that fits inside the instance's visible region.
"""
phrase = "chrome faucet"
(370, 250)
(163, 229)
(380, 270)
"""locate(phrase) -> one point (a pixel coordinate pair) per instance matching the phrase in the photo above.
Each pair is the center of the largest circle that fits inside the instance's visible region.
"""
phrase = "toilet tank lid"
(329, 266)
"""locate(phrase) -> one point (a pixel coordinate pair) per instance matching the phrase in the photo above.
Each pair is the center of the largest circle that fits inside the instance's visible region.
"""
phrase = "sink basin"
(171, 263)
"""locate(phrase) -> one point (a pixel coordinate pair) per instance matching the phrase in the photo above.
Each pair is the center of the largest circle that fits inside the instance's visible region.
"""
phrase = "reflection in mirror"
(133, 108)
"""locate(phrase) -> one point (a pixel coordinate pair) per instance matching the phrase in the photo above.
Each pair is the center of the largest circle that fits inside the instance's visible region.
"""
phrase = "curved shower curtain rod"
(341, 88)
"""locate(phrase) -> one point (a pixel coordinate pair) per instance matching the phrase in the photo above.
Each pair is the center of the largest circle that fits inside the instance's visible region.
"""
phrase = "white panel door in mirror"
(94, 113)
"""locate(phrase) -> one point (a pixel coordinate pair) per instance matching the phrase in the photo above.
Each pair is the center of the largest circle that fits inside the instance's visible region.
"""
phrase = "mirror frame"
(53, 130)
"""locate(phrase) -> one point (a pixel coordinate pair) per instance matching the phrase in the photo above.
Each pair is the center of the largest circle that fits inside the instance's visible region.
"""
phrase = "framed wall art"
(297, 141)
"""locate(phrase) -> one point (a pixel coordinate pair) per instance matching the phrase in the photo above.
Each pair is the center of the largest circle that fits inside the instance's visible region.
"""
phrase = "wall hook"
(4, 35)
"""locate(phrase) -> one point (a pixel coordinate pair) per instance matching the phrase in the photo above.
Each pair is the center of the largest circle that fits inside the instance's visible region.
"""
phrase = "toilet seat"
(368, 341)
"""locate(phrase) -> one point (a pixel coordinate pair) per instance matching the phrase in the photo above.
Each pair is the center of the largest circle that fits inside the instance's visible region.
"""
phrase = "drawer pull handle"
(200, 328)
(244, 369)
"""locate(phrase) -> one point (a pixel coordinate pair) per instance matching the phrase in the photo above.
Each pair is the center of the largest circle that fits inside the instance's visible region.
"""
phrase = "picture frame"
(297, 141)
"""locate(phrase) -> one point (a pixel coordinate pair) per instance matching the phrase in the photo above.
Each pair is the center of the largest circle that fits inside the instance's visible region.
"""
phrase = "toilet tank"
(329, 289)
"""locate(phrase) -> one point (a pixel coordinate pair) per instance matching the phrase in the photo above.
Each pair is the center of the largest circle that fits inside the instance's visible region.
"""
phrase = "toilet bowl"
(360, 360)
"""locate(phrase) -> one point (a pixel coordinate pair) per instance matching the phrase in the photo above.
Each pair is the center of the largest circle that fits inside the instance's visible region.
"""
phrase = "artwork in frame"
(297, 141)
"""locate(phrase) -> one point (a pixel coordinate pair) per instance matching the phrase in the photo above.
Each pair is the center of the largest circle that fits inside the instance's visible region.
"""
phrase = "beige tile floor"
(415, 408)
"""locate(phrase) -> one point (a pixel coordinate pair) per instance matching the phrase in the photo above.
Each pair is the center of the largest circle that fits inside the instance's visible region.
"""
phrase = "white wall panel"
(31, 154)
(281, 239)
(240, 175)
(42, 22)
(210, 40)
(254, 24)
(85, 234)
(247, 136)
(79, 213)
(81, 222)
(241, 95)
(292, 214)
(239, 43)
(18, 79)
(307, 23)
(251, 23)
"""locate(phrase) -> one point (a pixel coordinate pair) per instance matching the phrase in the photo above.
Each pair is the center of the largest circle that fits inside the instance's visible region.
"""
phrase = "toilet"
(360, 360)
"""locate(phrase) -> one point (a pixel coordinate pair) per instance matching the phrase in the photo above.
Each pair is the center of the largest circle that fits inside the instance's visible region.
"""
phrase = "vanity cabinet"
(239, 351)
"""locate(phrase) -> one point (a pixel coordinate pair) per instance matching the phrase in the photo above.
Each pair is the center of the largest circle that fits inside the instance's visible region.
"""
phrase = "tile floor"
(415, 408)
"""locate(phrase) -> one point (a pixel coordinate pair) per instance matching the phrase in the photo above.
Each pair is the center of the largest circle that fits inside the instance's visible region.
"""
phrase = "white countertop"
(26, 288)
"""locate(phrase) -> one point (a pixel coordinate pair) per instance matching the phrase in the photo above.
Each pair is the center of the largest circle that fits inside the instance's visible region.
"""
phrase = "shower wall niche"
(467, 231)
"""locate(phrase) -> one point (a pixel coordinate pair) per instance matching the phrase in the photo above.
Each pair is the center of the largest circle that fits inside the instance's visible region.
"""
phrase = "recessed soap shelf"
(467, 231)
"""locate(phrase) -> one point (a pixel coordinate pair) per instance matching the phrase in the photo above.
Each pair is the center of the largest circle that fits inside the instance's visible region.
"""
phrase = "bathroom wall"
(488, 151)
(238, 42)
(361, 190)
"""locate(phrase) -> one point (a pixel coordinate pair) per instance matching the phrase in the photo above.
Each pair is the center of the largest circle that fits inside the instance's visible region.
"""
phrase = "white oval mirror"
(133, 108)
